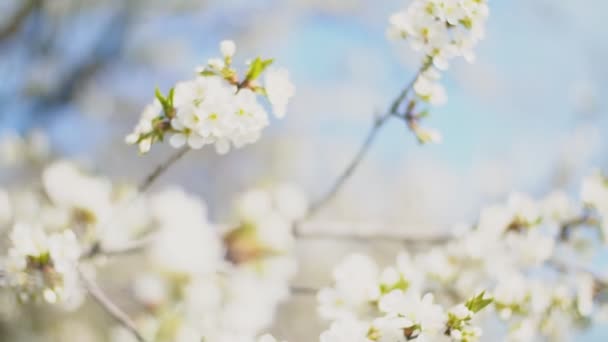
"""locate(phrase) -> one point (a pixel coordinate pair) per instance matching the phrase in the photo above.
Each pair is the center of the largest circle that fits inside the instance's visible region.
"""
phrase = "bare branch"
(112, 309)
(586, 218)
(350, 168)
(370, 138)
(160, 169)
(17, 20)
(366, 238)
(130, 248)
(298, 290)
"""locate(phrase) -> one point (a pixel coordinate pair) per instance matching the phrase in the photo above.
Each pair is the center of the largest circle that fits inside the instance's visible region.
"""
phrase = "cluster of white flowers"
(513, 250)
(595, 194)
(16, 150)
(441, 30)
(222, 282)
(217, 107)
(41, 264)
(52, 226)
(368, 305)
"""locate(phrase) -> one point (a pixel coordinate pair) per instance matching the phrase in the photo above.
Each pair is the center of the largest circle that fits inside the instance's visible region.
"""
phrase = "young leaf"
(257, 67)
(165, 102)
(170, 97)
(478, 302)
(207, 73)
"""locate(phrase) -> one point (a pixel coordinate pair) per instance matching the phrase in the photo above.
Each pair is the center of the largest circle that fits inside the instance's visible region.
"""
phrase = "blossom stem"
(160, 169)
(106, 303)
(361, 153)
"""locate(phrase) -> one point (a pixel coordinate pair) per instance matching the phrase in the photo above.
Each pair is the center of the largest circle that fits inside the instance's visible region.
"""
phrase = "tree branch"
(365, 238)
(370, 138)
(160, 169)
(586, 218)
(97, 249)
(117, 314)
(17, 20)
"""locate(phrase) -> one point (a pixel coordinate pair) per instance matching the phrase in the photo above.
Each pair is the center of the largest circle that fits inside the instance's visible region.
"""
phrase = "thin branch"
(565, 228)
(586, 218)
(106, 303)
(130, 248)
(17, 20)
(350, 168)
(97, 248)
(298, 290)
(160, 169)
(366, 238)
(370, 138)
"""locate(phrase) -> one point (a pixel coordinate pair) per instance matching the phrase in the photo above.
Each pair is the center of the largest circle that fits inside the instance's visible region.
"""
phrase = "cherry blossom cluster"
(520, 251)
(219, 282)
(50, 228)
(195, 279)
(366, 304)
(16, 150)
(41, 264)
(218, 107)
(440, 30)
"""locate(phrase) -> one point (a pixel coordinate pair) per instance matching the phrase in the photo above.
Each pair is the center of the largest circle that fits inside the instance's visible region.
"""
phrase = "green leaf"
(257, 67)
(478, 302)
(207, 73)
(423, 114)
(166, 103)
(402, 284)
(467, 23)
(170, 97)
(159, 95)
(260, 90)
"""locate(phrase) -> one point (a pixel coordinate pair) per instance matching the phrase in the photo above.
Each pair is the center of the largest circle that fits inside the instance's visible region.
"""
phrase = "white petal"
(222, 146)
(195, 141)
(177, 140)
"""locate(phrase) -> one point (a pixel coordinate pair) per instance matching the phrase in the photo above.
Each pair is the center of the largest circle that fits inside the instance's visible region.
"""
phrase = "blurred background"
(529, 115)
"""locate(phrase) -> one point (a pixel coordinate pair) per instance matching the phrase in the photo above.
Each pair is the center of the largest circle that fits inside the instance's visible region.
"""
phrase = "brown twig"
(586, 218)
(299, 290)
(160, 169)
(117, 314)
(365, 238)
(362, 151)
(17, 20)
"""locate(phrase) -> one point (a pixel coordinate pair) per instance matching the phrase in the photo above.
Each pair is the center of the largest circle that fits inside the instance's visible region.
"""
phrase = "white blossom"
(143, 129)
(428, 88)
(355, 286)
(419, 311)
(228, 48)
(441, 29)
(346, 330)
(279, 90)
(6, 210)
(40, 265)
(215, 108)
